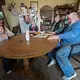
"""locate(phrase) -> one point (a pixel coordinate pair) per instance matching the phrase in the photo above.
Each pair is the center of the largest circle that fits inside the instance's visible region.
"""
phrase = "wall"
(13, 20)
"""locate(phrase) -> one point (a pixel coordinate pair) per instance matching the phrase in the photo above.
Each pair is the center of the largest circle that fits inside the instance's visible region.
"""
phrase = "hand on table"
(32, 31)
(53, 37)
(4, 36)
(9, 35)
(52, 33)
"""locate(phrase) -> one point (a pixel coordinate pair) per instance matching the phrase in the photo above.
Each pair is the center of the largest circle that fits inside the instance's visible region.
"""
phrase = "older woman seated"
(57, 26)
(5, 34)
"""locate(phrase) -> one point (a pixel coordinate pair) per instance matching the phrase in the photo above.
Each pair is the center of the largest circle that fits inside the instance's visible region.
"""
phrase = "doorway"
(46, 14)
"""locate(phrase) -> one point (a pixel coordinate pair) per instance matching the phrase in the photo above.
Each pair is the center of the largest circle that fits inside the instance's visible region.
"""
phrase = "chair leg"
(77, 61)
(77, 68)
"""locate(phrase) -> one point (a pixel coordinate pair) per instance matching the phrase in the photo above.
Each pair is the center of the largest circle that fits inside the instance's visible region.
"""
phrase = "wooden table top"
(18, 48)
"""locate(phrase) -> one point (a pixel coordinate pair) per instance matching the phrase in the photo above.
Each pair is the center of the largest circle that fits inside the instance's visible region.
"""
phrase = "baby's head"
(1, 30)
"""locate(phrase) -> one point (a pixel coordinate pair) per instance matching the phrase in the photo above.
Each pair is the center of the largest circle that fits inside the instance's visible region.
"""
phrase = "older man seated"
(70, 36)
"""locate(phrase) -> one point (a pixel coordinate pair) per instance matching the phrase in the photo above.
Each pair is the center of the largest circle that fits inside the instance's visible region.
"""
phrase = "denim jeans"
(52, 53)
(61, 55)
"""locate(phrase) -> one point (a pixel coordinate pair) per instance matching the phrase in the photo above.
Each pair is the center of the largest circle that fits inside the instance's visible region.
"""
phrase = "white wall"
(13, 20)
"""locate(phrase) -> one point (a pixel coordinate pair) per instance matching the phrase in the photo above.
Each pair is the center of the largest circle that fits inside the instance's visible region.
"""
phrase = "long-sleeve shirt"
(7, 31)
(60, 29)
(33, 28)
(71, 34)
(57, 27)
(2, 39)
(24, 26)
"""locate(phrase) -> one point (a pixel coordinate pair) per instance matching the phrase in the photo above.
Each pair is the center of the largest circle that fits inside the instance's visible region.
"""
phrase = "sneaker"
(52, 63)
(10, 71)
(69, 78)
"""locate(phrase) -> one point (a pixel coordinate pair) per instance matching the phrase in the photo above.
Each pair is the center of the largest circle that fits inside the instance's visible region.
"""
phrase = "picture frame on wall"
(34, 4)
(78, 6)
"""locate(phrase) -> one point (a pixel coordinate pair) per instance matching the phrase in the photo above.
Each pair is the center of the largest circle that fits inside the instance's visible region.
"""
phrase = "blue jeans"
(61, 55)
(52, 53)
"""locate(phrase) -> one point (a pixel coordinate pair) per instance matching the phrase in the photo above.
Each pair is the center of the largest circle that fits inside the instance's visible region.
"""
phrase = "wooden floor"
(52, 73)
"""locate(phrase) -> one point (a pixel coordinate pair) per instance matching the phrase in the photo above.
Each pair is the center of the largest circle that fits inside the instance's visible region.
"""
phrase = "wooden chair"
(16, 29)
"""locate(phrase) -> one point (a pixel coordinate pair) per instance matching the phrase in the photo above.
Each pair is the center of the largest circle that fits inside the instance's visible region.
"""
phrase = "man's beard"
(27, 22)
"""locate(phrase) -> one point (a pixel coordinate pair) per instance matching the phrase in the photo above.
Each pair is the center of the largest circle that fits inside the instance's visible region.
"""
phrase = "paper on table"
(41, 36)
(48, 34)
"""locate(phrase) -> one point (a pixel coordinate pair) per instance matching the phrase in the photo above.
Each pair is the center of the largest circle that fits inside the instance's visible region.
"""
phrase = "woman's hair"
(30, 7)
(3, 24)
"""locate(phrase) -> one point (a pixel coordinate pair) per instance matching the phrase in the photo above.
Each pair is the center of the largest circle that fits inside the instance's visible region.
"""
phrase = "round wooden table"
(18, 48)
